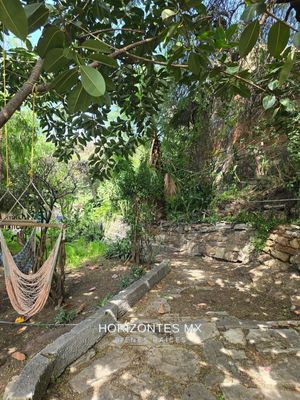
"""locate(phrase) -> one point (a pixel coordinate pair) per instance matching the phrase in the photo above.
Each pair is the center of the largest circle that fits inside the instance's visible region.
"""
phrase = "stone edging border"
(51, 362)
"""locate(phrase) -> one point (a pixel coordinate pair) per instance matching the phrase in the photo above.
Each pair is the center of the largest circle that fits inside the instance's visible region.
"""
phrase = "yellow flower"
(20, 320)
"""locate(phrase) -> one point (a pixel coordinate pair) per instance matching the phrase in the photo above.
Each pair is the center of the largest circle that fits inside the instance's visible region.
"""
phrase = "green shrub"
(263, 226)
(64, 317)
(84, 223)
(80, 251)
(121, 249)
(105, 300)
(135, 274)
(12, 242)
(124, 282)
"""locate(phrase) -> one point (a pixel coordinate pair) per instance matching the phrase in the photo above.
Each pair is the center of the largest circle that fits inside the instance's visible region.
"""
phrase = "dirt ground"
(85, 288)
(223, 362)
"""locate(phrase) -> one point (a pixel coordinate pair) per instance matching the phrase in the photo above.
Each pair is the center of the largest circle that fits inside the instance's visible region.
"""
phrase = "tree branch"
(150, 61)
(270, 14)
(17, 100)
(111, 30)
(240, 78)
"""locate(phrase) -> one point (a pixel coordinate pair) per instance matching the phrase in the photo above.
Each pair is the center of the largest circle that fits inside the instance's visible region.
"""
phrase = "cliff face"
(245, 149)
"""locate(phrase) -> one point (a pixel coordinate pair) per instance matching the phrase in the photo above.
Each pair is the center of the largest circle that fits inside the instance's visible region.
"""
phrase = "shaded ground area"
(85, 288)
(231, 353)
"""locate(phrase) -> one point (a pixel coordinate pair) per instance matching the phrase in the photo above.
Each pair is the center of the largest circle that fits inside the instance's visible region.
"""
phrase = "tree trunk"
(1, 157)
(58, 285)
(155, 162)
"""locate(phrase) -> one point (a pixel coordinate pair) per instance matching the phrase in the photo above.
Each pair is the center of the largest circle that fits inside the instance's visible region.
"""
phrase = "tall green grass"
(80, 251)
(11, 241)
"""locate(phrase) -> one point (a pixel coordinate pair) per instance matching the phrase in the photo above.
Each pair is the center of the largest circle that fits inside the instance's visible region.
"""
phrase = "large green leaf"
(249, 13)
(242, 90)
(52, 38)
(37, 15)
(104, 59)
(55, 60)
(96, 45)
(297, 40)
(197, 4)
(288, 104)
(79, 99)
(65, 81)
(92, 81)
(278, 38)
(269, 102)
(13, 17)
(249, 38)
(167, 13)
(287, 67)
(195, 62)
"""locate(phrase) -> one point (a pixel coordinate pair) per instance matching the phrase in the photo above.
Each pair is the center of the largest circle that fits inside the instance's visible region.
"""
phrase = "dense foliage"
(92, 56)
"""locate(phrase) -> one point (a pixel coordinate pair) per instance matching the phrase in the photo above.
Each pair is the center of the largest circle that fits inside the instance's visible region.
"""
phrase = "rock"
(291, 234)
(148, 384)
(275, 341)
(280, 255)
(235, 336)
(246, 253)
(202, 331)
(213, 351)
(241, 227)
(279, 239)
(197, 391)
(100, 371)
(3, 359)
(286, 373)
(295, 243)
(295, 260)
(213, 379)
(295, 300)
(158, 306)
(287, 249)
(111, 393)
(235, 354)
(275, 394)
(166, 360)
(277, 265)
(82, 360)
(239, 392)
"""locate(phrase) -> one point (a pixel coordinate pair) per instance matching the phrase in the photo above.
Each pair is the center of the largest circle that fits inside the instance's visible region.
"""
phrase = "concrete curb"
(51, 362)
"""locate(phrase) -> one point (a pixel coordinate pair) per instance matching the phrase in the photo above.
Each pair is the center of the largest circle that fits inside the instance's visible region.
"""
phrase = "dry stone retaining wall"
(284, 244)
(277, 266)
(222, 241)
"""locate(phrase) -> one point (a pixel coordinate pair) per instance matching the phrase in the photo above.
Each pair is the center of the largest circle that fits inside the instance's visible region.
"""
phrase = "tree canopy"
(101, 69)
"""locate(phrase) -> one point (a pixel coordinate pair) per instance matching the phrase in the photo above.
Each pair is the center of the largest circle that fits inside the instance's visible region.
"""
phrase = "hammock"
(28, 294)
(24, 259)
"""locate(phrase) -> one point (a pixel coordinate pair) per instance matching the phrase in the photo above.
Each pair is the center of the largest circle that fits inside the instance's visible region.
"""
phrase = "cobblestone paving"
(222, 358)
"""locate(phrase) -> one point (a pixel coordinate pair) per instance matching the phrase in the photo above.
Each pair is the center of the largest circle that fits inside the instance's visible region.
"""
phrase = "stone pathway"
(208, 341)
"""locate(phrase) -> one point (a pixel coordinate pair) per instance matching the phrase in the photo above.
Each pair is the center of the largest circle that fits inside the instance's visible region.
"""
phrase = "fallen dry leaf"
(11, 350)
(211, 283)
(21, 330)
(297, 312)
(80, 308)
(20, 320)
(93, 267)
(92, 289)
(19, 356)
(200, 306)
(162, 309)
